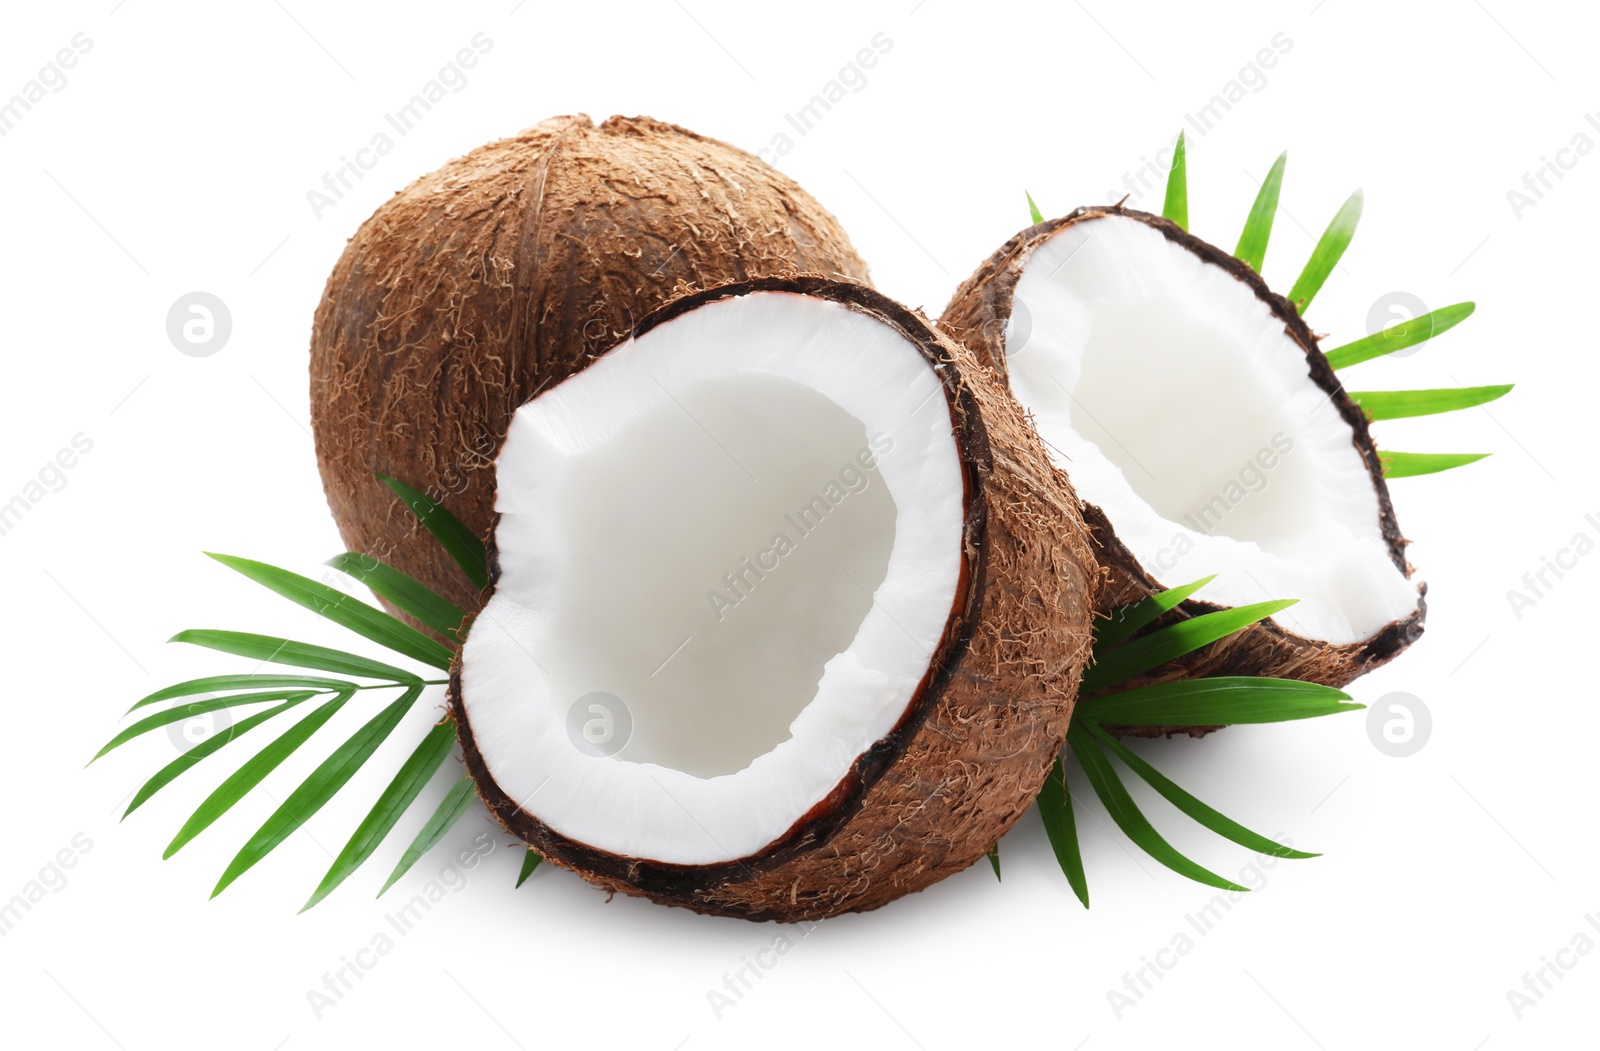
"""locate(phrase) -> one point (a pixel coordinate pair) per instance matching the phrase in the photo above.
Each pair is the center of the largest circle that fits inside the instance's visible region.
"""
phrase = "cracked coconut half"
(789, 611)
(1207, 435)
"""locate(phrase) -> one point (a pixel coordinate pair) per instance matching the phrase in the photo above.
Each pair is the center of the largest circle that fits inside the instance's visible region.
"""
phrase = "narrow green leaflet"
(1129, 619)
(1033, 209)
(188, 711)
(299, 654)
(1103, 777)
(1220, 824)
(1252, 249)
(406, 592)
(252, 773)
(1400, 404)
(315, 791)
(450, 809)
(1176, 206)
(530, 861)
(367, 621)
(1055, 808)
(994, 861)
(408, 783)
(455, 538)
(1419, 329)
(1409, 465)
(167, 773)
(1159, 647)
(1218, 701)
(1335, 239)
(217, 683)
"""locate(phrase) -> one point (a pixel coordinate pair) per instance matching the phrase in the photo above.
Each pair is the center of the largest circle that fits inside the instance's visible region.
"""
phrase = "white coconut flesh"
(728, 551)
(1180, 406)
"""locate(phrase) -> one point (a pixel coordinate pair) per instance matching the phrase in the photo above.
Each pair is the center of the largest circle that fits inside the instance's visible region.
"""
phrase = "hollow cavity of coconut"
(1206, 434)
(789, 613)
(505, 271)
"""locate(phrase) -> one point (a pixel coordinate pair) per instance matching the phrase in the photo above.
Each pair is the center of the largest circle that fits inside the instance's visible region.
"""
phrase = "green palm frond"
(356, 675)
(1121, 653)
(1176, 205)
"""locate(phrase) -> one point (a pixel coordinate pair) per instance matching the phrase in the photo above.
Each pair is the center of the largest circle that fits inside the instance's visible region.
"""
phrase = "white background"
(177, 158)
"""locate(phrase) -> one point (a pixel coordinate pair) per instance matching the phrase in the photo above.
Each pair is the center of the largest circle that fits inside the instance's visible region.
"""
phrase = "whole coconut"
(507, 270)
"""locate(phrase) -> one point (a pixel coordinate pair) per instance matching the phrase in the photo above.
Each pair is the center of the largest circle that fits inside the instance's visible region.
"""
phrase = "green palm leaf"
(167, 773)
(1417, 330)
(1171, 642)
(1176, 206)
(252, 773)
(322, 785)
(449, 811)
(458, 541)
(1401, 404)
(1409, 465)
(1129, 619)
(407, 593)
(408, 783)
(1103, 778)
(1252, 249)
(299, 654)
(217, 683)
(530, 861)
(1330, 248)
(367, 621)
(189, 711)
(1217, 822)
(1217, 701)
(1055, 809)
(1033, 209)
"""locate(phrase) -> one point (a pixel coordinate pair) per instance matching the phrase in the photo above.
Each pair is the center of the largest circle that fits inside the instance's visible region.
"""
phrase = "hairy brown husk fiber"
(505, 271)
(977, 316)
(977, 741)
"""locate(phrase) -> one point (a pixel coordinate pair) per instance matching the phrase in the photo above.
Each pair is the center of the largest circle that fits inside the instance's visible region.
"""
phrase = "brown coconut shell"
(507, 270)
(977, 315)
(974, 745)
